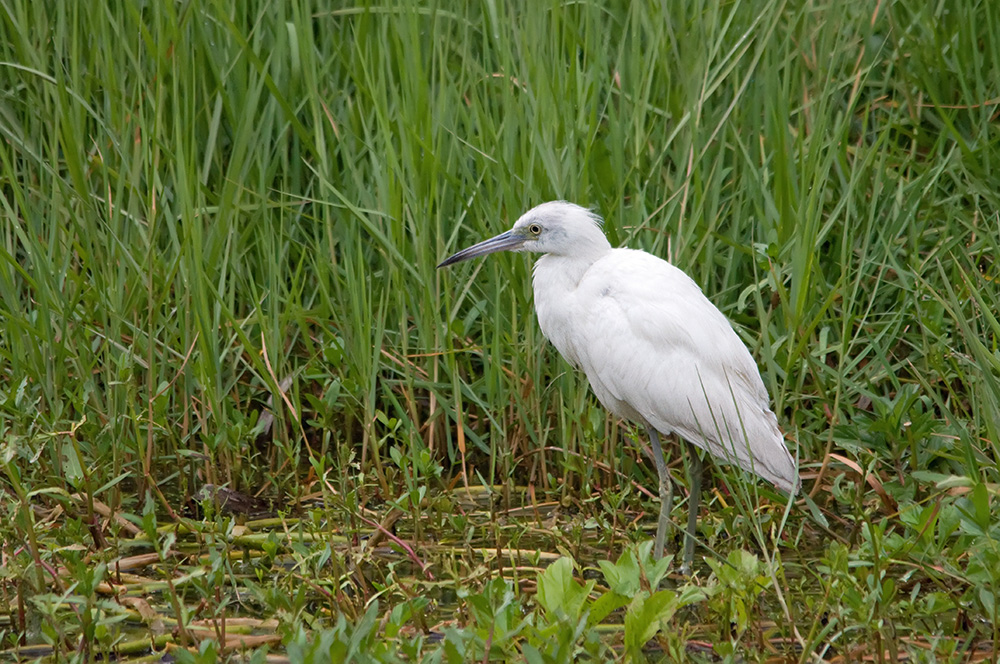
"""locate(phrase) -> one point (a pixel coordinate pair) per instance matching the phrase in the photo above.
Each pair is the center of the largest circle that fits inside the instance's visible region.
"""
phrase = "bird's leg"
(694, 500)
(666, 493)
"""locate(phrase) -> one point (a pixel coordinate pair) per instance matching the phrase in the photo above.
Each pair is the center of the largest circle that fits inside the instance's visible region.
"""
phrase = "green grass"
(214, 212)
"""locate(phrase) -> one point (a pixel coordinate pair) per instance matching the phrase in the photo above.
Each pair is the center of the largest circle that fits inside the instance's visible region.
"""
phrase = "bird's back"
(657, 351)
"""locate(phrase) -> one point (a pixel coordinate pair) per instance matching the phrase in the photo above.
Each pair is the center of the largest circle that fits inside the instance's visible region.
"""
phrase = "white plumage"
(655, 350)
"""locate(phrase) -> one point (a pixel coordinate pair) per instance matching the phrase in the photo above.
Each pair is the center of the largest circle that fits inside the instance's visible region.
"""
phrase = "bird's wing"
(655, 348)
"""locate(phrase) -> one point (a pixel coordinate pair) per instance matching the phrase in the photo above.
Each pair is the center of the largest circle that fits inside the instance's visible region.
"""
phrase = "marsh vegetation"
(242, 415)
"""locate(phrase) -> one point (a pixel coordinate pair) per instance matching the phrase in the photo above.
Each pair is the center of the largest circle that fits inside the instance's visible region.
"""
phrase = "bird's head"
(556, 227)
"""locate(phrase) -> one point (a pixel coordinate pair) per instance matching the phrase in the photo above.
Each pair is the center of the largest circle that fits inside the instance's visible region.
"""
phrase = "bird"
(654, 348)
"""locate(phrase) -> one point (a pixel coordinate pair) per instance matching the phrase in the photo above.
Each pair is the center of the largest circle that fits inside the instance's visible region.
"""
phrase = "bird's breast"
(556, 305)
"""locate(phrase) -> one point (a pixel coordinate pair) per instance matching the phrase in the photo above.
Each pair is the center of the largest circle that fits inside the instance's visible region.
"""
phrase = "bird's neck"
(565, 271)
(569, 268)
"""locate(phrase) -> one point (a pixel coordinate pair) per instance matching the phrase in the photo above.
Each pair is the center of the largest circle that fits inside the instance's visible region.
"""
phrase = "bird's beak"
(509, 241)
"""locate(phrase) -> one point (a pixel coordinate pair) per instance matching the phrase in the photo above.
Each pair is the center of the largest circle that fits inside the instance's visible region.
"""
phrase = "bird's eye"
(535, 229)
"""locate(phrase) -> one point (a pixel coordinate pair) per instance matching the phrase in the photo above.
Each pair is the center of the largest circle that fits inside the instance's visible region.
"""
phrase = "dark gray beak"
(508, 241)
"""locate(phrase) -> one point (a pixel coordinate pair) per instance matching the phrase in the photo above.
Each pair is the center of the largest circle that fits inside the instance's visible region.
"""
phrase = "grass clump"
(217, 267)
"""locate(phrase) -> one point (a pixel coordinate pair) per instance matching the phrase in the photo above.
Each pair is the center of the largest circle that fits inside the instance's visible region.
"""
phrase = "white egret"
(653, 347)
